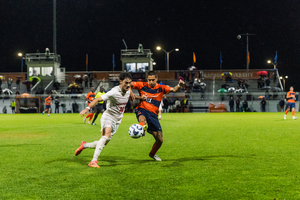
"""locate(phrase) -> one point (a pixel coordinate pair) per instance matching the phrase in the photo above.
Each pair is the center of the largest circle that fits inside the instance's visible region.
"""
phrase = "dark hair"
(152, 73)
(125, 75)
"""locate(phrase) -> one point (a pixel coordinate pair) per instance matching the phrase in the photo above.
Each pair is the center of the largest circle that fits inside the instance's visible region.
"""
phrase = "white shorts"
(160, 107)
(106, 122)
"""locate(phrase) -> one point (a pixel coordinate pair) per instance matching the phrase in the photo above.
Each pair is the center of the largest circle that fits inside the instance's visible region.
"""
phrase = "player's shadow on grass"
(103, 161)
(179, 161)
(118, 160)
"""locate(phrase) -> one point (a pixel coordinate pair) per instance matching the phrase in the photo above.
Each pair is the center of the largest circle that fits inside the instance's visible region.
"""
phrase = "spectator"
(263, 105)
(245, 106)
(268, 82)
(281, 105)
(231, 104)
(177, 105)
(166, 105)
(56, 102)
(17, 93)
(56, 85)
(9, 82)
(185, 103)
(239, 83)
(275, 75)
(237, 104)
(86, 80)
(18, 84)
(91, 79)
(13, 106)
(259, 83)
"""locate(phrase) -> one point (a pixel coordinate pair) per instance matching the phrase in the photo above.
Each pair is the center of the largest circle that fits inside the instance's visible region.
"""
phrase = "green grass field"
(205, 156)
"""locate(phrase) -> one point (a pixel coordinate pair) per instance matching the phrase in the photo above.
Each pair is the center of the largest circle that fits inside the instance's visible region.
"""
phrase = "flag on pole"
(275, 59)
(221, 60)
(86, 61)
(194, 57)
(248, 58)
(113, 61)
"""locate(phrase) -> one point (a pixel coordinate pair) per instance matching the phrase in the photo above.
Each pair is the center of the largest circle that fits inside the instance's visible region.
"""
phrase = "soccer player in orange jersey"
(90, 97)
(291, 102)
(151, 94)
(48, 101)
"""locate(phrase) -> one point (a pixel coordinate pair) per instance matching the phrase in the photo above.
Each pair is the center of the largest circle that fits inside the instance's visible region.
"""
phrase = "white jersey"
(115, 105)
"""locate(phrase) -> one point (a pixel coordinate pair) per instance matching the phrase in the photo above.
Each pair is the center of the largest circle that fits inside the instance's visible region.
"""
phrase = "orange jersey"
(90, 97)
(289, 95)
(154, 95)
(48, 101)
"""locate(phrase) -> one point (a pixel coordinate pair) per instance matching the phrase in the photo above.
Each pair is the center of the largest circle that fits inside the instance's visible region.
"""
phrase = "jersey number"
(122, 109)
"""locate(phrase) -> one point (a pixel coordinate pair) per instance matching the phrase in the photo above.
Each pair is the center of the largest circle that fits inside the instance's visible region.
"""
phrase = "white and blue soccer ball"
(136, 131)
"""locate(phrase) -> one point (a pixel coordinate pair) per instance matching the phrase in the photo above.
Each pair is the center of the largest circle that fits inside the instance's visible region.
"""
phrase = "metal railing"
(51, 82)
(34, 87)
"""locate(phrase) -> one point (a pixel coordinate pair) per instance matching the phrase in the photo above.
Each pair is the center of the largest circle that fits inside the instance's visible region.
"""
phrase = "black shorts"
(99, 108)
(151, 118)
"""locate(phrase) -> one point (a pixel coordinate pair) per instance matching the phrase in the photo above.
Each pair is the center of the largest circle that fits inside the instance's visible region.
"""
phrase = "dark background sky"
(97, 27)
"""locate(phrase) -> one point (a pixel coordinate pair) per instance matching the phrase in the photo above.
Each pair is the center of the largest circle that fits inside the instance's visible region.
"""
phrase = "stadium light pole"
(247, 50)
(21, 55)
(283, 79)
(168, 55)
(270, 62)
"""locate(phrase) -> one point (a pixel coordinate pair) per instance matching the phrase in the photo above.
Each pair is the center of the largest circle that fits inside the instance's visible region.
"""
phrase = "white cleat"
(155, 157)
(294, 117)
(284, 117)
(84, 120)
(89, 122)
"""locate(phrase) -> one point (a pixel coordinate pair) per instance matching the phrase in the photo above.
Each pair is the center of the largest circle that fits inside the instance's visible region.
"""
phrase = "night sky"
(97, 27)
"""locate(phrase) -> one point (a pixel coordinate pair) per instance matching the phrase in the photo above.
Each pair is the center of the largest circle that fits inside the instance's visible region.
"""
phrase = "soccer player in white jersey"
(117, 99)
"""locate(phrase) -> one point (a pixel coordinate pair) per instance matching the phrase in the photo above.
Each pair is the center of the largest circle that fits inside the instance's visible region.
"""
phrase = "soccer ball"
(136, 131)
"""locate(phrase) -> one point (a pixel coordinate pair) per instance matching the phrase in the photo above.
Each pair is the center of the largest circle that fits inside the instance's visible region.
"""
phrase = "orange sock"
(91, 117)
(286, 112)
(142, 124)
(293, 113)
(155, 148)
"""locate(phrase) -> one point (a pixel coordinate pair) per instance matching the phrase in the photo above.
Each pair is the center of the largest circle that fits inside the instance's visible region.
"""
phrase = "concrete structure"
(136, 60)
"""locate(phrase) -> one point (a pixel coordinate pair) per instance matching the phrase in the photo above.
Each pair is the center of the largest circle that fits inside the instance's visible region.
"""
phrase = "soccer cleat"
(284, 117)
(84, 120)
(145, 127)
(155, 157)
(43, 113)
(89, 122)
(48, 115)
(294, 117)
(79, 150)
(93, 124)
(94, 164)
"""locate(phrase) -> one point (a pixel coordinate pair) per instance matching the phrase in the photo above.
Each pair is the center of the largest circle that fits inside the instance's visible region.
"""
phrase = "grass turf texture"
(205, 156)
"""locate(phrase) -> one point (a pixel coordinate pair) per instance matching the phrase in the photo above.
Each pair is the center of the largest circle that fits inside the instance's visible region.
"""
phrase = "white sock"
(159, 116)
(91, 145)
(99, 147)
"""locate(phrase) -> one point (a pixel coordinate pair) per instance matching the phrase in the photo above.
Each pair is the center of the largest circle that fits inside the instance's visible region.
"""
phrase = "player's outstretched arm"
(132, 95)
(178, 87)
(143, 97)
(92, 104)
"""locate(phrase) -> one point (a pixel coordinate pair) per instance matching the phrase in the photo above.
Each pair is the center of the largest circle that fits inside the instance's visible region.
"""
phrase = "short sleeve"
(137, 85)
(166, 89)
(88, 95)
(106, 96)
